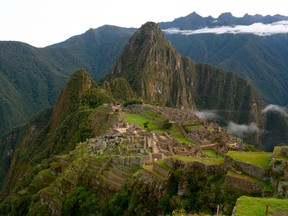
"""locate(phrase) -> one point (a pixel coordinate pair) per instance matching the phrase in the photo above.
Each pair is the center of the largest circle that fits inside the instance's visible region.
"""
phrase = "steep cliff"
(160, 75)
(153, 68)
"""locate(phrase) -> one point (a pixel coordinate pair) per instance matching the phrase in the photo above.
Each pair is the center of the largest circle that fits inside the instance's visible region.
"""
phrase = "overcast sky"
(42, 22)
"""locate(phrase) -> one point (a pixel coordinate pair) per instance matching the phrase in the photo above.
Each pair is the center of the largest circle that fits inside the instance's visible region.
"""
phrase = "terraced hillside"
(146, 150)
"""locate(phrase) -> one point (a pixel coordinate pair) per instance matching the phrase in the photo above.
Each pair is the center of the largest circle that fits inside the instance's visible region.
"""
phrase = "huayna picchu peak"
(160, 75)
(132, 144)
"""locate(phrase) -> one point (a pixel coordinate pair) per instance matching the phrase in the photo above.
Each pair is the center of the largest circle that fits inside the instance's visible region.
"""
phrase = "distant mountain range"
(31, 78)
(261, 59)
(194, 21)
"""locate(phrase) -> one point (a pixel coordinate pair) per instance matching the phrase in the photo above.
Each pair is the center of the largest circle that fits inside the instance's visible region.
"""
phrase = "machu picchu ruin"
(156, 157)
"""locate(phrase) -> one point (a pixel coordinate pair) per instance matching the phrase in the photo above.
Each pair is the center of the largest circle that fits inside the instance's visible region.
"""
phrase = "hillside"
(31, 78)
(88, 137)
(98, 156)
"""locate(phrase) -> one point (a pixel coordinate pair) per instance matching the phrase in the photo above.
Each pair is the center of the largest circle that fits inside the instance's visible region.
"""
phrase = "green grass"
(46, 172)
(257, 158)
(176, 133)
(211, 153)
(153, 115)
(257, 206)
(185, 140)
(207, 161)
(139, 120)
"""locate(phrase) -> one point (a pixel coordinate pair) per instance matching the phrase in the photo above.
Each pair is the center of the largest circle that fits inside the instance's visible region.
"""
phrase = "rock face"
(160, 75)
(279, 171)
(154, 68)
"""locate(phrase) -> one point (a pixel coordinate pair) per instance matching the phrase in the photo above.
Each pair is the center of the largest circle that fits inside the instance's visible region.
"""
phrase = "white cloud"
(276, 108)
(260, 29)
(242, 130)
(207, 114)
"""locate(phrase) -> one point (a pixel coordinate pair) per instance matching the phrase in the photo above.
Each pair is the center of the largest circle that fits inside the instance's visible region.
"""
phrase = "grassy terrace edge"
(207, 161)
(261, 159)
(257, 206)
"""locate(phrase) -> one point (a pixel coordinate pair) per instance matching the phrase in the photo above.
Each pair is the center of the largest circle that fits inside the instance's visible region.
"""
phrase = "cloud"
(275, 108)
(207, 114)
(242, 130)
(260, 29)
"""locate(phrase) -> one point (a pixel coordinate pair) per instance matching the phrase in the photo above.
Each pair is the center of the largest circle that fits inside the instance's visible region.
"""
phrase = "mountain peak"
(71, 96)
(150, 30)
(225, 15)
(194, 15)
(150, 64)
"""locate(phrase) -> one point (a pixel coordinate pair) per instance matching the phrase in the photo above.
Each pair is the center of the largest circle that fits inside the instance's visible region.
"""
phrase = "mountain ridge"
(34, 76)
(195, 21)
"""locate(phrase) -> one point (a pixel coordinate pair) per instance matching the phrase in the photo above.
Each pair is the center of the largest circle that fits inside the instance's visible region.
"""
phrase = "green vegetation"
(164, 166)
(257, 206)
(257, 158)
(140, 120)
(208, 161)
(185, 140)
(31, 78)
(95, 97)
(132, 101)
(211, 153)
(121, 89)
(176, 133)
(276, 152)
(149, 168)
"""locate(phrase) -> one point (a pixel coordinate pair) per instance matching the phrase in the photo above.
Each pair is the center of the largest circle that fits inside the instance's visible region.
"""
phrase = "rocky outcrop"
(279, 171)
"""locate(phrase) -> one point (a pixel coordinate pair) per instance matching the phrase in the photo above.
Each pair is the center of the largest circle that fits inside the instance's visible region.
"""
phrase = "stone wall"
(250, 169)
(194, 165)
(243, 185)
(160, 170)
(131, 160)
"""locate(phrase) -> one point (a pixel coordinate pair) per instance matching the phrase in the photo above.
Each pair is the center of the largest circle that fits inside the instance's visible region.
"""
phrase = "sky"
(41, 22)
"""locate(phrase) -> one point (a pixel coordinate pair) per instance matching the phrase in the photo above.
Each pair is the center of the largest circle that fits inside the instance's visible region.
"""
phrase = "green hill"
(31, 78)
